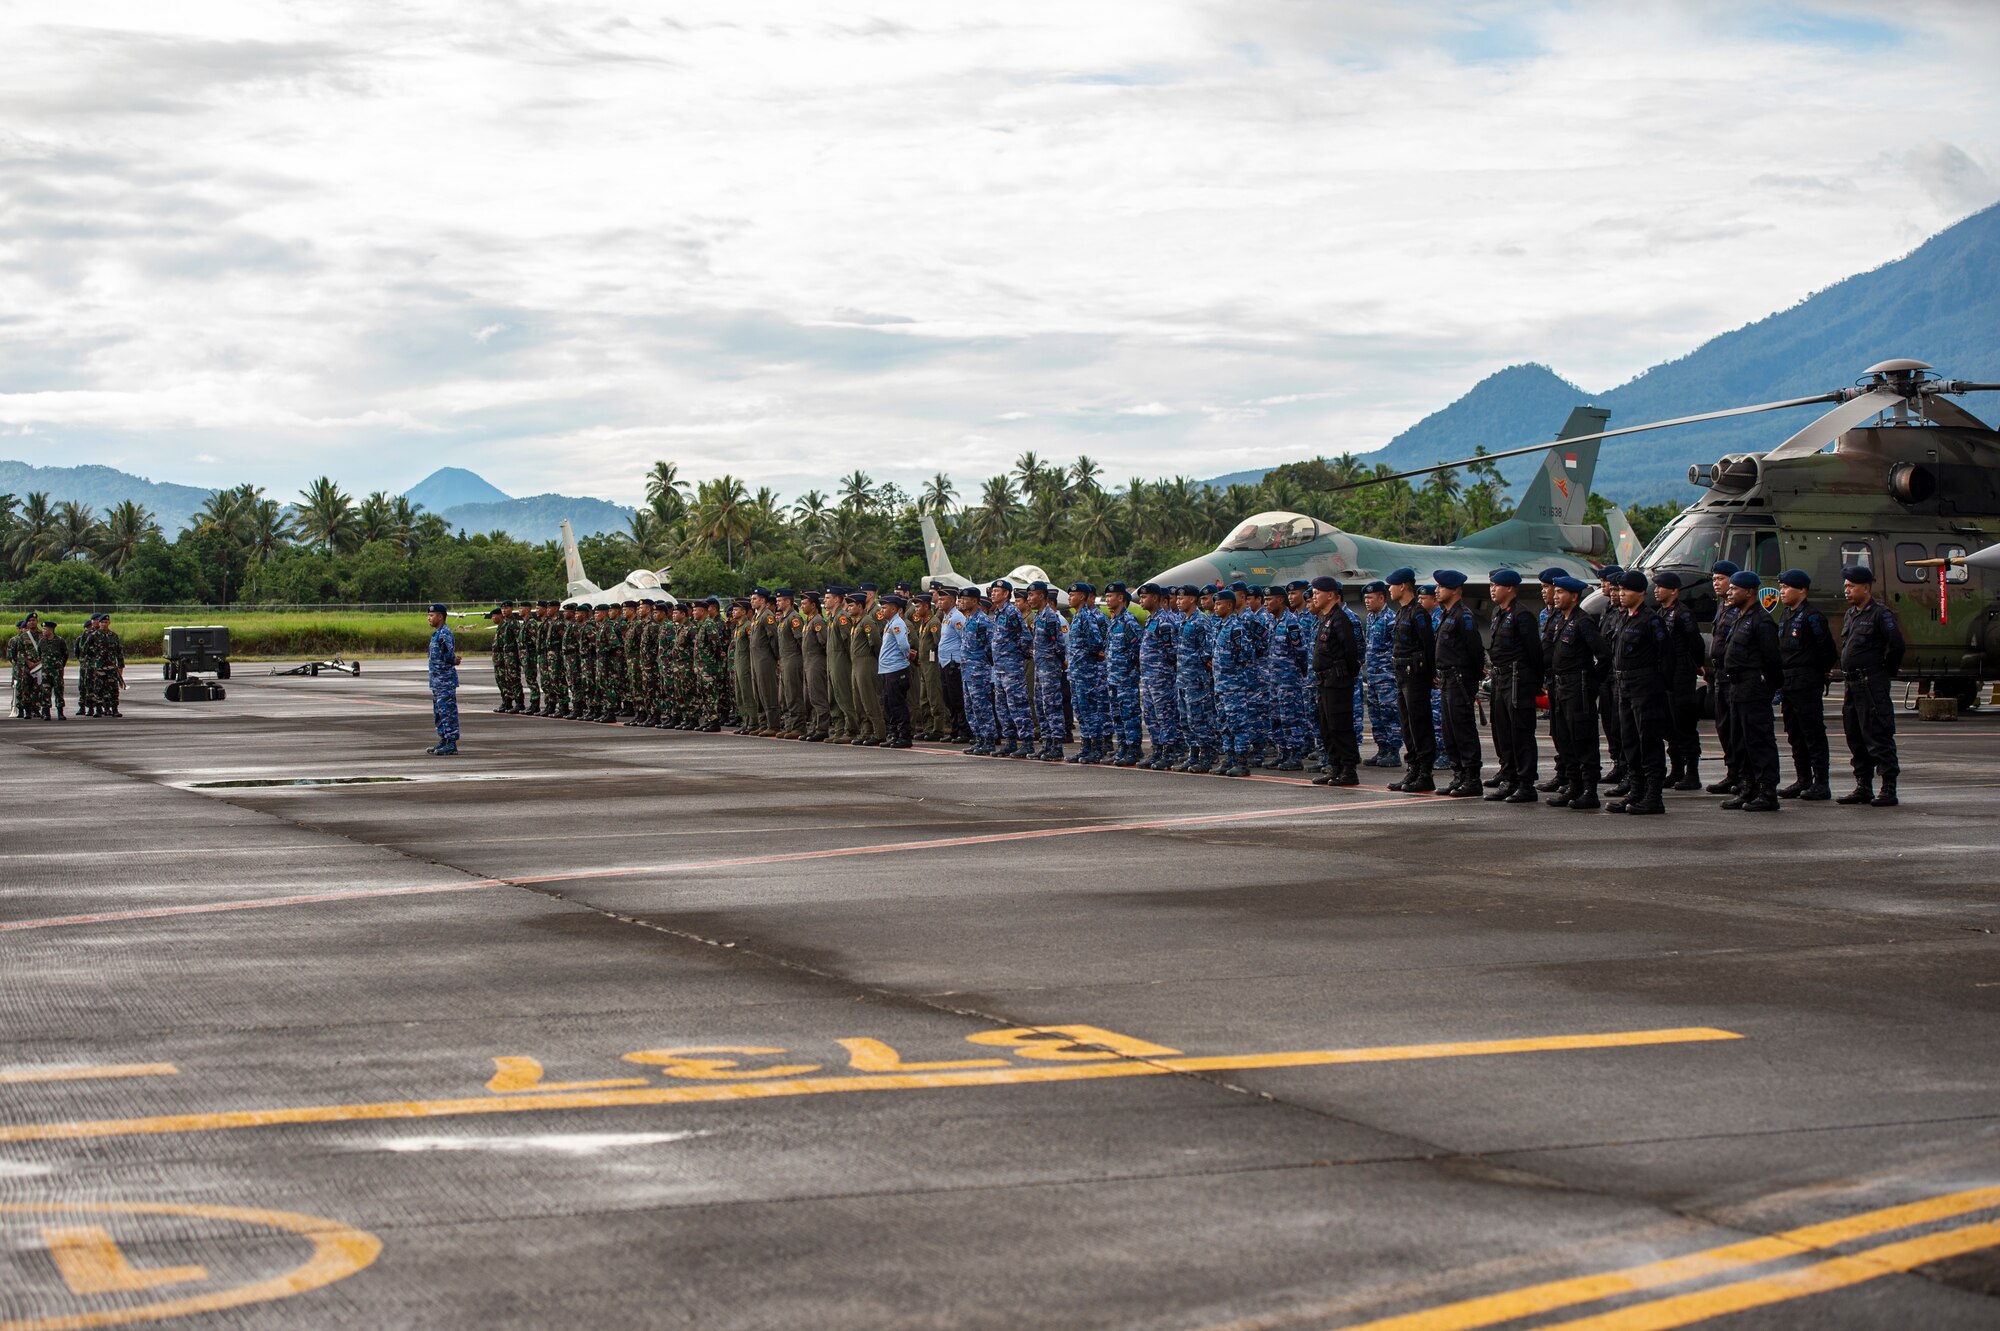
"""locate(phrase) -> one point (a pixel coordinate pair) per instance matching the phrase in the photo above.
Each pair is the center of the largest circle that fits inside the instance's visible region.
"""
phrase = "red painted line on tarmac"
(687, 866)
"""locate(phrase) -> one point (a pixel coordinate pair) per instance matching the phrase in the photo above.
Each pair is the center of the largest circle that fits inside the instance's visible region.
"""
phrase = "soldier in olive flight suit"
(865, 648)
(844, 724)
(788, 631)
(812, 642)
(743, 682)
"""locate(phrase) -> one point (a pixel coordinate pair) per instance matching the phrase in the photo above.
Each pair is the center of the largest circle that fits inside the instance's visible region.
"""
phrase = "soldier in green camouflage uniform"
(107, 667)
(55, 659)
(690, 704)
(643, 673)
(531, 657)
(549, 640)
(501, 664)
(710, 666)
(84, 650)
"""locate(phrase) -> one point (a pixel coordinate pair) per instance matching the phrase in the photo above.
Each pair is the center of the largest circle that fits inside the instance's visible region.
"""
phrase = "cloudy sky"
(552, 242)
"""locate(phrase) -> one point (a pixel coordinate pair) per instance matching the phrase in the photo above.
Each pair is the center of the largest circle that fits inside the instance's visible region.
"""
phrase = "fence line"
(260, 608)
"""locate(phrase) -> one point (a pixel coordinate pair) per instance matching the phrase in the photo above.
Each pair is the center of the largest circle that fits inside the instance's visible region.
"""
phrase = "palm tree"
(1048, 515)
(224, 513)
(1093, 521)
(1139, 508)
(125, 527)
(646, 538)
(809, 508)
(1028, 470)
(845, 539)
(30, 531)
(326, 517)
(857, 490)
(428, 529)
(267, 527)
(666, 492)
(939, 496)
(721, 515)
(376, 519)
(992, 522)
(1085, 471)
(767, 521)
(76, 532)
(1179, 511)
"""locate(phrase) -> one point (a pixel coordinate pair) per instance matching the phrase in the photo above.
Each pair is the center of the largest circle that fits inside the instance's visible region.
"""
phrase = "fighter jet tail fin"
(1550, 515)
(578, 584)
(1625, 545)
(935, 557)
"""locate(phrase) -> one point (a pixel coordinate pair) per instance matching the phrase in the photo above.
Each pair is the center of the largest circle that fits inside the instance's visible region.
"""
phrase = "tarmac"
(608, 1026)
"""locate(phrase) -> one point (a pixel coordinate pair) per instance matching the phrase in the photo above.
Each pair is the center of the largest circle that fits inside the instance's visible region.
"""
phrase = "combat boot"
(1863, 792)
(1622, 787)
(1464, 784)
(1566, 795)
(1816, 790)
(1347, 776)
(1648, 797)
(1498, 792)
(1625, 804)
(1051, 753)
(1797, 787)
(1616, 776)
(1082, 755)
(1497, 780)
(1237, 765)
(1288, 761)
(1690, 776)
(1554, 783)
(1674, 773)
(1745, 790)
(1887, 799)
(1186, 762)
(1764, 799)
(1586, 796)
(1729, 784)
(1128, 757)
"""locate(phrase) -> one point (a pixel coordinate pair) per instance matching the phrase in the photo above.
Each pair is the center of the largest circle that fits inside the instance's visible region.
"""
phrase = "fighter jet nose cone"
(1200, 572)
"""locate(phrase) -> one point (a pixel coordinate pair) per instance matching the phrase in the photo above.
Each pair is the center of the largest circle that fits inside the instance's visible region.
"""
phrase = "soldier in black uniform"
(1718, 684)
(1550, 620)
(1871, 652)
(1754, 668)
(1461, 664)
(1415, 657)
(1609, 623)
(1578, 656)
(1516, 667)
(1683, 704)
(1640, 656)
(1806, 644)
(1336, 664)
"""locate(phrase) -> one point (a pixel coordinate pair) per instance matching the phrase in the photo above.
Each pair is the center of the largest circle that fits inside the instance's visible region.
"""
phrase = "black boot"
(1586, 798)
(1419, 782)
(1863, 792)
(1616, 776)
(1648, 797)
(1523, 793)
(1557, 782)
(1499, 788)
(1690, 776)
(1745, 790)
(1796, 788)
(1816, 789)
(1764, 799)
(1729, 785)
(1635, 795)
(1622, 788)
(1887, 799)
(1564, 797)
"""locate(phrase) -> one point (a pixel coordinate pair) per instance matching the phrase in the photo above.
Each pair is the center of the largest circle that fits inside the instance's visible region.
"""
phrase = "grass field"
(296, 634)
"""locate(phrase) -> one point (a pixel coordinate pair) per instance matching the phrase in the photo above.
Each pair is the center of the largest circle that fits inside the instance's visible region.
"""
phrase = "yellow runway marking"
(710, 1092)
(1680, 1310)
(22, 1076)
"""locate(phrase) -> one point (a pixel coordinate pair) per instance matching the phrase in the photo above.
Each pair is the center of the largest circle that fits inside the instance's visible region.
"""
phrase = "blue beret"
(1239, 587)
(1553, 576)
(1668, 579)
(1504, 577)
(764, 592)
(1795, 577)
(1449, 578)
(1569, 584)
(1039, 586)
(1210, 590)
(1857, 573)
(1226, 594)
(904, 587)
(1378, 586)
(1110, 587)
(1744, 578)
(1144, 587)
(1632, 580)
(1001, 584)
(1403, 575)
(1427, 589)
(1082, 587)
(1297, 585)
(1324, 583)
(437, 608)
(1724, 568)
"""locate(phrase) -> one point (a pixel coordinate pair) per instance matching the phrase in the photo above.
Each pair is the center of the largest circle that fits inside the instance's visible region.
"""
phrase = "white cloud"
(786, 241)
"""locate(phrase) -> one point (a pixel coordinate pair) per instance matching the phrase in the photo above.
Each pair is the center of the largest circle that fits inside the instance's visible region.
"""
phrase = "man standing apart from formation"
(443, 672)
(892, 663)
(1871, 652)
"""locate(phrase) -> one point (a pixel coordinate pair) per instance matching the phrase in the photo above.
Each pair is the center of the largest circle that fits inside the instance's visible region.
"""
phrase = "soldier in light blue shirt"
(892, 666)
(951, 660)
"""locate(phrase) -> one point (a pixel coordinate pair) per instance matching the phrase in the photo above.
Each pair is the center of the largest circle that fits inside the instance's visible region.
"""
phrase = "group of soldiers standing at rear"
(1229, 679)
(38, 657)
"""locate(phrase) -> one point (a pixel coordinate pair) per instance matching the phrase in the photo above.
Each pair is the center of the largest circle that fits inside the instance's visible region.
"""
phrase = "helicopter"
(1546, 530)
(1897, 477)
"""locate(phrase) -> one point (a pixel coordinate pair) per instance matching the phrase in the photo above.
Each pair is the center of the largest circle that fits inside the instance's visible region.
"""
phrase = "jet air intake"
(1589, 541)
(1733, 474)
(1911, 483)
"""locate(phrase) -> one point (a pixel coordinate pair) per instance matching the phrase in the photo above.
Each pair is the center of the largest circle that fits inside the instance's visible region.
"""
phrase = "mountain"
(1238, 478)
(1938, 303)
(449, 487)
(103, 487)
(534, 519)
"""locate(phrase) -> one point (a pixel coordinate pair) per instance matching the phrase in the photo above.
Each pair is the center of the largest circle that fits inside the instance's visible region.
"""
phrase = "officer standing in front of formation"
(1516, 658)
(1578, 658)
(893, 661)
(1640, 656)
(1337, 659)
(442, 672)
(1415, 656)
(1871, 652)
(1379, 676)
(1159, 690)
(1726, 615)
(1809, 651)
(1755, 669)
(1461, 663)
(1683, 675)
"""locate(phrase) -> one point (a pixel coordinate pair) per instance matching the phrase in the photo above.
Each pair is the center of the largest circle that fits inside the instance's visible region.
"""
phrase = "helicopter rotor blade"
(1836, 423)
(1586, 438)
(1946, 412)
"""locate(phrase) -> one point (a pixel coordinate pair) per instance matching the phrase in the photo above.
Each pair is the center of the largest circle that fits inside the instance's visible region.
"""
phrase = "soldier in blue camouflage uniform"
(1048, 631)
(1122, 633)
(1284, 675)
(1159, 696)
(1258, 624)
(1087, 663)
(1234, 651)
(442, 671)
(1378, 676)
(1010, 683)
(975, 671)
(1427, 598)
(1194, 684)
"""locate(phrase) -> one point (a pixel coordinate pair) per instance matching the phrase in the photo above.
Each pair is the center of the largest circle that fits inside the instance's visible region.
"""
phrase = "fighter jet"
(1546, 531)
(641, 584)
(941, 570)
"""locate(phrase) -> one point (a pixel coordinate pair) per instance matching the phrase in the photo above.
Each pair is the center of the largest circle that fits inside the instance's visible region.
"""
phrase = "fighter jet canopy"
(1273, 531)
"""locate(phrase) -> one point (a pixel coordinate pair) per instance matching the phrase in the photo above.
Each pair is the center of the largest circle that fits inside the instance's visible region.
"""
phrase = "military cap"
(632, 604)
(1744, 578)
(1632, 580)
(437, 608)
(1668, 579)
(764, 592)
(1084, 587)
(1449, 578)
(1000, 584)
(1253, 589)
(783, 591)
(1298, 585)
(1323, 583)
(1576, 586)
(896, 599)
(866, 587)
(904, 587)
(944, 587)
(1724, 567)
(506, 605)
(1860, 573)
(809, 595)
(50, 624)
(1551, 575)
(1796, 577)
(1226, 594)
(1189, 589)
(1400, 575)
(1610, 573)
(973, 592)
(857, 598)
(1377, 586)
(1504, 577)
(496, 610)
(740, 602)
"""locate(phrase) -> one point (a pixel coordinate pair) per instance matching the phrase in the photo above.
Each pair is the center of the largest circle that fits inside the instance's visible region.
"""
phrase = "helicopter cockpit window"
(1857, 552)
(1907, 552)
(1768, 555)
(1271, 531)
(1953, 572)
(1690, 546)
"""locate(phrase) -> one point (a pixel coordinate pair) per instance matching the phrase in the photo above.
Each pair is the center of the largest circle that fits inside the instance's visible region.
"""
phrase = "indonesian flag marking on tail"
(1569, 461)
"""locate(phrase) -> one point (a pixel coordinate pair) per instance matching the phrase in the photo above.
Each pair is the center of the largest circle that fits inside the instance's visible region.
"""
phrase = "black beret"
(1084, 587)
(1724, 568)
(1153, 587)
(1632, 581)
(437, 608)
(1860, 573)
(1226, 594)
(1111, 587)
(1324, 583)
(1449, 578)
(1668, 579)
(1298, 585)
(1745, 579)
(1796, 577)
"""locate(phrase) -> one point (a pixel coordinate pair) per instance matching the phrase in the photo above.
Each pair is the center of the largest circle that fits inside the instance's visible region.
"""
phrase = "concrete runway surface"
(608, 1027)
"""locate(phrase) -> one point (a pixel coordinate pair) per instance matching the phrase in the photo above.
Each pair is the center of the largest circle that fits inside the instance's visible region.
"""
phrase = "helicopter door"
(1857, 552)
